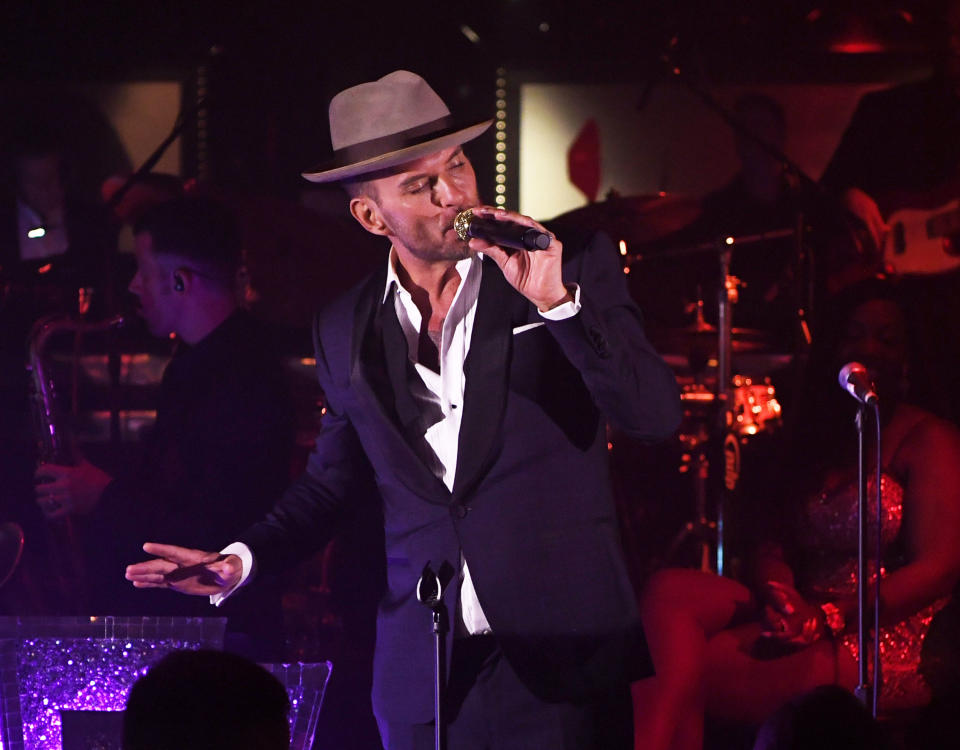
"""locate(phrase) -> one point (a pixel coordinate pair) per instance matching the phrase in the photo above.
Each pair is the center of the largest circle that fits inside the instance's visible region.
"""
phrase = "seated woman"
(739, 653)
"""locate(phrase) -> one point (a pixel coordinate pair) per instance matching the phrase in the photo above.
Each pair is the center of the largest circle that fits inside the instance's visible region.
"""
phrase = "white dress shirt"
(439, 397)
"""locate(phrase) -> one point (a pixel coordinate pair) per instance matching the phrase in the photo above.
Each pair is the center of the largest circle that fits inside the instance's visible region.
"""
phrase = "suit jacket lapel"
(487, 375)
(379, 377)
(367, 370)
(397, 360)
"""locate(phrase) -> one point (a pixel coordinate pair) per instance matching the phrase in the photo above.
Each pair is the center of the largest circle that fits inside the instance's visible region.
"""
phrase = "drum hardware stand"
(702, 527)
(726, 297)
(726, 446)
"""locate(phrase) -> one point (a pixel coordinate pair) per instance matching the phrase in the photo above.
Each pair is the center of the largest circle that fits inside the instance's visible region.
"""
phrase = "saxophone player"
(221, 448)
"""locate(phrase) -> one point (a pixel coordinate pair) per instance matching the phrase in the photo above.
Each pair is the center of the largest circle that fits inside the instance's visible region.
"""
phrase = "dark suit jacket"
(531, 506)
(217, 459)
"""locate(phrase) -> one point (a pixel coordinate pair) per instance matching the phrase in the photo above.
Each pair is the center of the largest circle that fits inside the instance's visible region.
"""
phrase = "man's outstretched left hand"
(189, 571)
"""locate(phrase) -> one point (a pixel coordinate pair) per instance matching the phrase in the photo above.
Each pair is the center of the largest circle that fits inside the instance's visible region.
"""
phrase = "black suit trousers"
(487, 707)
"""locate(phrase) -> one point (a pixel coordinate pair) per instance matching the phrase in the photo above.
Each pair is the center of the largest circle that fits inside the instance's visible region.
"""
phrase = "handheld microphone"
(855, 381)
(502, 233)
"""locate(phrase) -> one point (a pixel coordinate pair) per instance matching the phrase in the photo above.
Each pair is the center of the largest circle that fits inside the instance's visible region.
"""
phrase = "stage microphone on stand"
(430, 591)
(855, 381)
(502, 233)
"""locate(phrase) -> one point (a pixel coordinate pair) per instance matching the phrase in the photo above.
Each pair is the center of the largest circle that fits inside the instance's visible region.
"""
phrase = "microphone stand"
(438, 630)
(862, 687)
(877, 675)
(867, 690)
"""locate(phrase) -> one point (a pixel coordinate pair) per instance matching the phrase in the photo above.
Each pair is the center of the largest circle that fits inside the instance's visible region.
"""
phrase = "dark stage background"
(109, 79)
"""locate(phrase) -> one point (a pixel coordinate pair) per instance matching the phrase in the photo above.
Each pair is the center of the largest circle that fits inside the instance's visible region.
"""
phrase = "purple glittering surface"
(54, 664)
(88, 674)
(86, 663)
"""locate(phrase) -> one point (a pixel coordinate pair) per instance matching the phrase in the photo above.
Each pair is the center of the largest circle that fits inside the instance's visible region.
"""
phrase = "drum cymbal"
(700, 339)
(637, 219)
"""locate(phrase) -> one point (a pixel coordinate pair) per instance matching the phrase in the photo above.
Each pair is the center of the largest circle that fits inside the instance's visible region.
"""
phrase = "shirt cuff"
(248, 566)
(567, 309)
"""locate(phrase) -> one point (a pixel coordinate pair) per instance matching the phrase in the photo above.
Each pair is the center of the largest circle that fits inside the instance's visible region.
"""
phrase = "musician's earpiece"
(177, 282)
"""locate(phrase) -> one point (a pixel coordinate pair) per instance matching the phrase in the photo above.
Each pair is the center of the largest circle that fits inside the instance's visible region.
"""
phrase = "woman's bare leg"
(740, 687)
(681, 609)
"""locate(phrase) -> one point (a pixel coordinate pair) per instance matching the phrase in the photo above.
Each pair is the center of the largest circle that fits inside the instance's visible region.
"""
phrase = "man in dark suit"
(220, 451)
(475, 382)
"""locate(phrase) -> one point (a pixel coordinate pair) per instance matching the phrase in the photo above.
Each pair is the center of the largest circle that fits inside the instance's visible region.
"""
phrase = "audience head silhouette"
(209, 700)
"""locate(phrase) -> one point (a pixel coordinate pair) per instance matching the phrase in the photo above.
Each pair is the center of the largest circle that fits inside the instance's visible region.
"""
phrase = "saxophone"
(52, 442)
(54, 445)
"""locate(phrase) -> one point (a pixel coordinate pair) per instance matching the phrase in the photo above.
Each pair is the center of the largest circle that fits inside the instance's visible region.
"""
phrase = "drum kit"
(718, 422)
(726, 373)
(729, 399)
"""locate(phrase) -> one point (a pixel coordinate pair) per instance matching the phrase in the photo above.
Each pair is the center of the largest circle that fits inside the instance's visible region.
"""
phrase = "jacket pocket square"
(527, 327)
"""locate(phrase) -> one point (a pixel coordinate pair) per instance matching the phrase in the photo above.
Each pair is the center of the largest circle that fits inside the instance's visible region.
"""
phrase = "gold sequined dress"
(827, 536)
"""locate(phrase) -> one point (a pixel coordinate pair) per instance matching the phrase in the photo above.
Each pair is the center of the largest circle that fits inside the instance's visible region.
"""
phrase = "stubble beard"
(450, 248)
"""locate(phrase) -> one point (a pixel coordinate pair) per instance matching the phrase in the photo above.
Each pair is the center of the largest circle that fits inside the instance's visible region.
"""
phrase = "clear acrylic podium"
(54, 664)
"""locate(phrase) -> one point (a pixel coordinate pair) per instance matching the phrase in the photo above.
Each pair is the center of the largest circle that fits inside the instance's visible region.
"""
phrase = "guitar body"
(924, 235)
(923, 241)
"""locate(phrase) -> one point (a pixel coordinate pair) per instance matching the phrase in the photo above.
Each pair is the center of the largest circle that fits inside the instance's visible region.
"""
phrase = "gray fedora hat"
(390, 121)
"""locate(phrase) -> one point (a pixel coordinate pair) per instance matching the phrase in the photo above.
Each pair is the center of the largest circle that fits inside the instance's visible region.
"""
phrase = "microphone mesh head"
(461, 224)
(849, 369)
(540, 241)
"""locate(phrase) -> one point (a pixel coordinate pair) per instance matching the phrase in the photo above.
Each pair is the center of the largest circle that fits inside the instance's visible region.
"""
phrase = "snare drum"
(755, 406)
